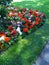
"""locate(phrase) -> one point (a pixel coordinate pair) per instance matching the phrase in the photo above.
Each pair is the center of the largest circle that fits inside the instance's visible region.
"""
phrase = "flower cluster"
(19, 22)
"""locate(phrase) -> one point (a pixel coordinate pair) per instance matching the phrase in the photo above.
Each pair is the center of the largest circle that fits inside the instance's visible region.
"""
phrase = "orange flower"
(11, 14)
(2, 34)
(7, 39)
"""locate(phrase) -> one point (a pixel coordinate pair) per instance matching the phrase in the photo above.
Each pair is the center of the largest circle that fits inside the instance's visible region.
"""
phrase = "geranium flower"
(31, 26)
(2, 34)
(37, 19)
(25, 30)
(26, 24)
(36, 14)
(36, 22)
(21, 17)
(11, 14)
(30, 11)
(13, 32)
(36, 10)
(6, 39)
(26, 20)
(19, 13)
(10, 27)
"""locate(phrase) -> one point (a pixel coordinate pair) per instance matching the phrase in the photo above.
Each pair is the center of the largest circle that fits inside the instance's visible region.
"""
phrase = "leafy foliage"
(3, 11)
(5, 1)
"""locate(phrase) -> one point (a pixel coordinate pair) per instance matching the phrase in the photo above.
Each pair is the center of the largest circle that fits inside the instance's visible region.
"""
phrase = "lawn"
(26, 51)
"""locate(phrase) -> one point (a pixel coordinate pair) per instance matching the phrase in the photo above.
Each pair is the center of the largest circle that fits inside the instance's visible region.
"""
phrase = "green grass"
(26, 50)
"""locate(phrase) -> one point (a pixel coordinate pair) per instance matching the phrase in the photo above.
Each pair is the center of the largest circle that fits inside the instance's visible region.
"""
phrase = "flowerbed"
(18, 23)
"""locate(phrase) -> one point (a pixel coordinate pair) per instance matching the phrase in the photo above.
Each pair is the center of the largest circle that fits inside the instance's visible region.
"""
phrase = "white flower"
(18, 30)
(2, 38)
(31, 16)
(27, 9)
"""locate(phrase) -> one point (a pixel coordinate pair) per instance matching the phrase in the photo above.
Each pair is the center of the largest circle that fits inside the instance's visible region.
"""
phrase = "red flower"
(21, 17)
(26, 20)
(14, 32)
(12, 14)
(19, 13)
(26, 24)
(2, 34)
(37, 19)
(25, 30)
(36, 10)
(36, 14)
(31, 26)
(10, 27)
(36, 22)
(7, 39)
(30, 11)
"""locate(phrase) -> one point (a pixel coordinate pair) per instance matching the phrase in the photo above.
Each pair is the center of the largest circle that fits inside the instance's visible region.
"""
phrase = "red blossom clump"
(25, 30)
